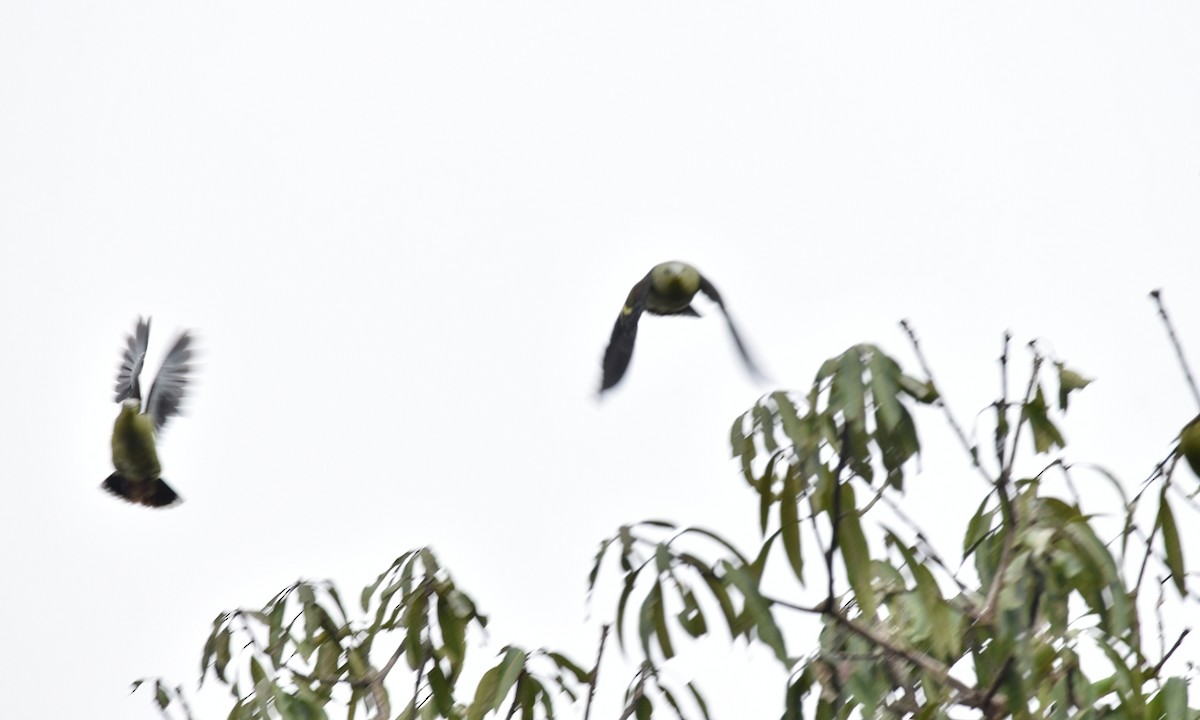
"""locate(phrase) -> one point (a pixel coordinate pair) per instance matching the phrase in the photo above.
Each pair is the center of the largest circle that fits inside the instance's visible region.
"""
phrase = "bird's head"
(675, 280)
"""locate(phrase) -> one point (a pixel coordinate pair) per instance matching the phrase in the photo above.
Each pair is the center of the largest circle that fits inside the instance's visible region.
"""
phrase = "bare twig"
(1002, 406)
(1156, 295)
(594, 675)
(1179, 641)
(972, 452)
(1006, 471)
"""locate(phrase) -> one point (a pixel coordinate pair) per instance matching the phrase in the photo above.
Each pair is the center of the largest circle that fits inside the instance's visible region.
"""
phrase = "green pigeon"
(667, 289)
(137, 477)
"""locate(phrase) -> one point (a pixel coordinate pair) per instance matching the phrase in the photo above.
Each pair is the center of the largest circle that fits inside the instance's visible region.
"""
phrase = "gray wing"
(620, 346)
(707, 288)
(167, 392)
(131, 362)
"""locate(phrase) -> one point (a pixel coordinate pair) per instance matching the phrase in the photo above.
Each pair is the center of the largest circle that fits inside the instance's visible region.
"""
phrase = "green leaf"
(789, 525)
(443, 695)
(885, 390)
(591, 584)
(652, 621)
(855, 553)
(1115, 611)
(758, 608)
(1068, 382)
(670, 698)
(766, 422)
(923, 392)
(1171, 543)
(979, 527)
(257, 675)
(737, 435)
(717, 588)
(222, 653)
(415, 619)
(485, 695)
(789, 419)
(699, 698)
(582, 676)
(626, 591)
(847, 392)
(356, 663)
(1045, 434)
(453, 631)
(547, 703)
(1174, 700)
(510, 669)
(161, 695)
(691, 618)
(643, 709)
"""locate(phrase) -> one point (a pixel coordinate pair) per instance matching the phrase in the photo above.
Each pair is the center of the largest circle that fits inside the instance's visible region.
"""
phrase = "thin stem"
(1006, 471)
(972, 452)
(1002, 409)
(1156, 295)
(1179, 641)
(594, 675)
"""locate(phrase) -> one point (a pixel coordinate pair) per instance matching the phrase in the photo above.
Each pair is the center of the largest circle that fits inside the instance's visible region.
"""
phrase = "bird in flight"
(137, 477)
(667, 289)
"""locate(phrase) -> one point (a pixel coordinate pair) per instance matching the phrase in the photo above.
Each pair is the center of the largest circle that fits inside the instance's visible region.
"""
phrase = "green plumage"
(135, 432)
(668, 289)
(133, 450)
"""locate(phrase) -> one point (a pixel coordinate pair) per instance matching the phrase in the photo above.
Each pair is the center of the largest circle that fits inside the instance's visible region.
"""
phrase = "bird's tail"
(154, 493)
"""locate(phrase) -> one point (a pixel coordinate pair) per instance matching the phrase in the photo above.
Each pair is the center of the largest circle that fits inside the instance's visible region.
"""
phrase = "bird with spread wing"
(667, 289)
(135, 457)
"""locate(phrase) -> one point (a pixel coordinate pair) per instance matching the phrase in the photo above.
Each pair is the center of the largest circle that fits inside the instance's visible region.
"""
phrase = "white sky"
(402, 232)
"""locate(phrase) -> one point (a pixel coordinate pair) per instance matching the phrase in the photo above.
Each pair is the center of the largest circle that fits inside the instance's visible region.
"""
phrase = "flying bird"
(137, 477)
(667, 289)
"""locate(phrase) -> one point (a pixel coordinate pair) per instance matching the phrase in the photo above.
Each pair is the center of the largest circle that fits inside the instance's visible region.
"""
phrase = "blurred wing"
(620, 345)
(707, 288)
(167, 392)
(131, 363)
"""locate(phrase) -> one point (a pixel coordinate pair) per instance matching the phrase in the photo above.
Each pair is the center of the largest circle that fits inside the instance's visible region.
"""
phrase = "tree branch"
(1156, 295)
(972, 452)
(968, 695)
(594, 675)
(1179, 641)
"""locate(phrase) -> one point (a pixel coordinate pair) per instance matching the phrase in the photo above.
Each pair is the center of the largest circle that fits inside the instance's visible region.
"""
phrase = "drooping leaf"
(443, 695)
(699, 698)
(510, 669)
(1068, 382)
(847, 393)
(1045, 434)
(453, 629)
(758, 609)
(1171, 543)
(978, 527)
(923, 392)
(855, 553)
(789, 525)
(885, 390)
(485, 695)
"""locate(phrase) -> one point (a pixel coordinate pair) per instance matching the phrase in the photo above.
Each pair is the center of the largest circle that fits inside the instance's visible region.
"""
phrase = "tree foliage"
(1042, 613)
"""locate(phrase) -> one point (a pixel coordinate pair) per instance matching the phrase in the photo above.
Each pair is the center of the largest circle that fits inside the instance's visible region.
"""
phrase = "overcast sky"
(402, 231)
